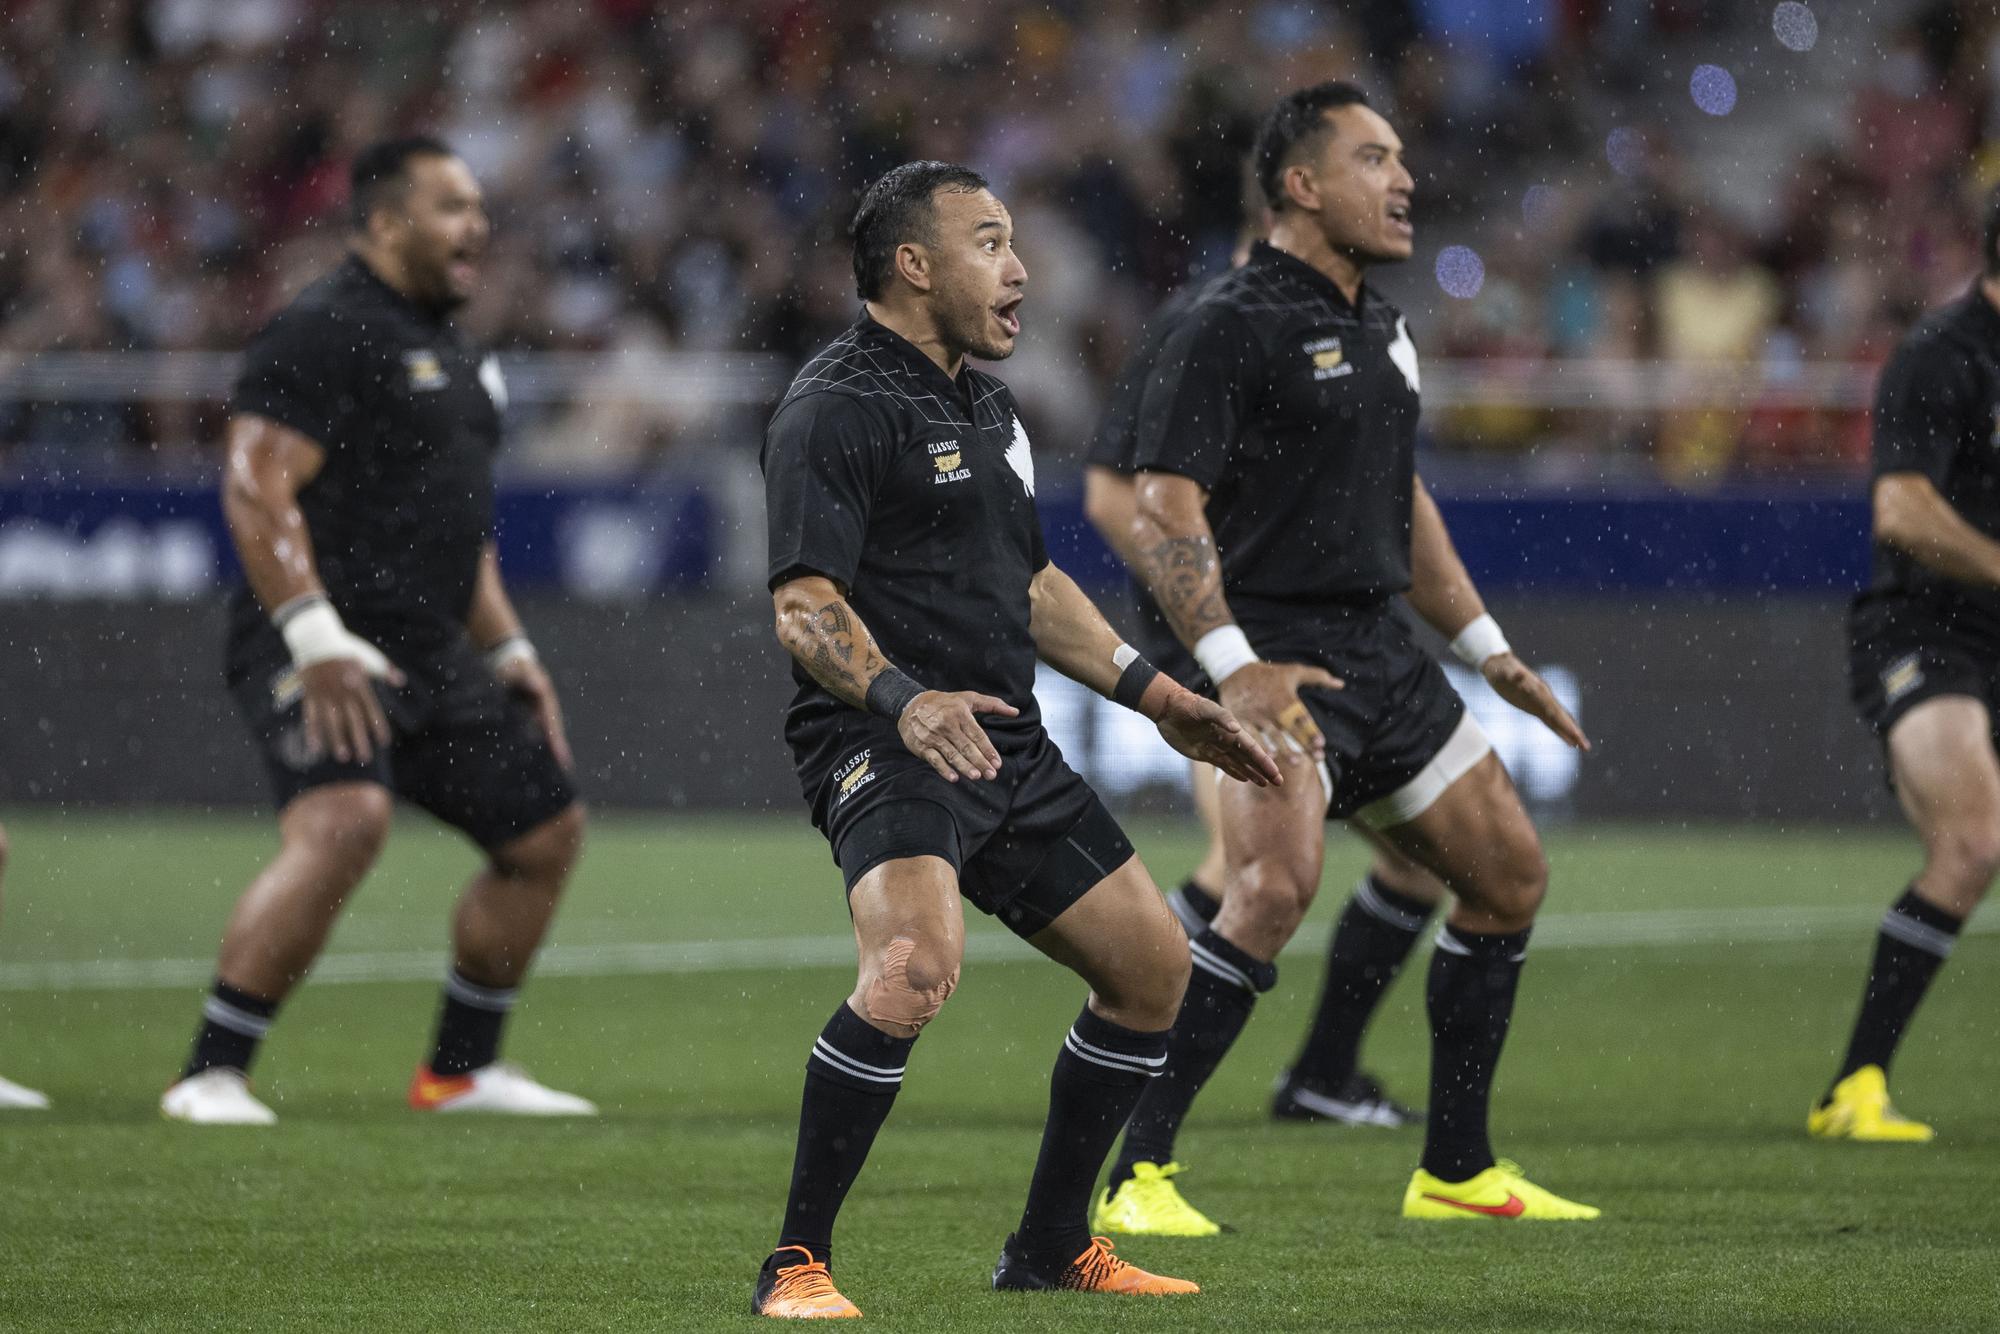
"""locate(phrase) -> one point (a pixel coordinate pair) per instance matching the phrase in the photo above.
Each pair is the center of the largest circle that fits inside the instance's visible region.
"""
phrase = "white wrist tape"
(514, 648)
(1224, 650)
(314, 633)
(1479, 641)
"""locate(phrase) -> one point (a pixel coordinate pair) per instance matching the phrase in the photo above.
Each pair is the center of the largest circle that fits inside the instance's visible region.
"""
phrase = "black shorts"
(1903, 651)
(463, 747)
(1025, 846)
(1156, 640)
(1398, 734)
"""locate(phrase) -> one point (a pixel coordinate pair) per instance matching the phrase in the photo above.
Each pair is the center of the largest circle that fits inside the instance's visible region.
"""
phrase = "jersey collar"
(358, 268)
(875, 334)
(1266, 255)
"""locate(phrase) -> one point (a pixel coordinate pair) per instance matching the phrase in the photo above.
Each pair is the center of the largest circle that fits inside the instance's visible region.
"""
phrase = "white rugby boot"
(218, 1096)
(16, 1097)
(502, 1087)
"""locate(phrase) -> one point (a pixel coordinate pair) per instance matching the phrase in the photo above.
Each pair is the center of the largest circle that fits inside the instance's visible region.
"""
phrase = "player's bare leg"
(13, 1096)
(909, 936)
(329, 838)
(497, 927)
(1477, 839)
(1948, 780)
(1124, 943)
(1374, 934)
(1275, 839)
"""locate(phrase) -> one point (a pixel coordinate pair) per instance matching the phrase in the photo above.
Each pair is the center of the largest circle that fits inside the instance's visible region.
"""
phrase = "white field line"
(1599, 930)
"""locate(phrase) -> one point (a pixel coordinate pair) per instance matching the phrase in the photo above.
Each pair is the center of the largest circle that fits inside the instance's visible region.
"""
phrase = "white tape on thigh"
(1465, 747)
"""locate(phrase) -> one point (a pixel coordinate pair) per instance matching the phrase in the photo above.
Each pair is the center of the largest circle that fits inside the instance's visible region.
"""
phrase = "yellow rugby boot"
(1858, 1108)
(1148, 1204)
(1500, 1192)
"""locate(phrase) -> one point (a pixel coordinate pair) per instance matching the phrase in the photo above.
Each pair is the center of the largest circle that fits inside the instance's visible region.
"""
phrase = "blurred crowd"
(677, 178)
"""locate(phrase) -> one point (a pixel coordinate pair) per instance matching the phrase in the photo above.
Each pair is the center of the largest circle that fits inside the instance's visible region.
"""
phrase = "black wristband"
(890, 693)
(1132, 683)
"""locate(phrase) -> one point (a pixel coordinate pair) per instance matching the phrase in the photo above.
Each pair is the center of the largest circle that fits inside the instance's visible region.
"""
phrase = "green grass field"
(1685, 1001)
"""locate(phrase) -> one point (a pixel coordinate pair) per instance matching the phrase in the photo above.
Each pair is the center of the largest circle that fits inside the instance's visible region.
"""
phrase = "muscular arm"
(1111, 504)
(821, 630)
(1440, 589)
(825, 635)
(1072, 636)
(1911, 516)
(1176, 554)
(491, 619)
(268, 465)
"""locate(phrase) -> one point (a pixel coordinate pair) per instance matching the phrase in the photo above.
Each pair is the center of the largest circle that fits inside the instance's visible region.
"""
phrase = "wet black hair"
(899, 207)
(1296, 121)
(1992, 262)
(382, 170)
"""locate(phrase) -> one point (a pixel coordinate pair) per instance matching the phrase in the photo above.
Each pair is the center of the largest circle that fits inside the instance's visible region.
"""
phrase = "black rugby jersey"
(914, 493)
(409, 416)
(1297, 411)
(1937, 412)
(1115, 442)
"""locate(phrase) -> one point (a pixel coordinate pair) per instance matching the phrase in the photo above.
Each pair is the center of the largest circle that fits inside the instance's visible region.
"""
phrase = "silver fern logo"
(1021, 459)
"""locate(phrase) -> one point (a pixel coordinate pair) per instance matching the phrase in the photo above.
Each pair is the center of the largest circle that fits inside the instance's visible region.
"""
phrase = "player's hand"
(1264, 696)
(343, 714)
(1516, 682)
(1203, 730)
(526, 677)
(942, 728)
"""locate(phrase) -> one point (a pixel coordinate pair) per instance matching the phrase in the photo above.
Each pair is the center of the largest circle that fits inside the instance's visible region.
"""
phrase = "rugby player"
(15, 1097)
(913, 592)
(1280, 515)
(1924, 670)
(1386, 913)
(374, 652)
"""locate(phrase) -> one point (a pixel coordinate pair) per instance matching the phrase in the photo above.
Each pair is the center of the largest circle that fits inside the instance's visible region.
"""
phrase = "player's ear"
(1301, 187)
(913, 265)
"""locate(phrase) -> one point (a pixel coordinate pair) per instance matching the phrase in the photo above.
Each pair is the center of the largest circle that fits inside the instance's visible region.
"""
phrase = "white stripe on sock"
(1117, 1060)
(1215, 965)
(841, 1061)
(1922, 935)
(497, 999)
(1451, 944)
(219, 1011)
(1370, 901)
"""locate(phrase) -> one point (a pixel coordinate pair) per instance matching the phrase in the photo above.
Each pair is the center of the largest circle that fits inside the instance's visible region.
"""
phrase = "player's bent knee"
(1275, 893)
(548, 852)
(909, 986)
(341, 828)
(1968, 856)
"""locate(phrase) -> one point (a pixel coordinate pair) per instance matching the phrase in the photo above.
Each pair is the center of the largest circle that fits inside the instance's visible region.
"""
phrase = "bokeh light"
(1625, 148)
(1541, 208)
(1795, 26)
(1713, 89)
(1460, 271)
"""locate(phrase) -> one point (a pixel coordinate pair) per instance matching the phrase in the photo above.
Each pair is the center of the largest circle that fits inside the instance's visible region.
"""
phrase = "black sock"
(233, 1022)
(852, 1077)
(1375, 934)
(1198, 901)
(1222, 991)
(1916, 938)
(1099, 1075)
(1471, 998)
(469, 1024)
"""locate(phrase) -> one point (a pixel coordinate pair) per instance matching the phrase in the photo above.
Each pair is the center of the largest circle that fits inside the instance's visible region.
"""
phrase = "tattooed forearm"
(1186, 579)
(835, 648)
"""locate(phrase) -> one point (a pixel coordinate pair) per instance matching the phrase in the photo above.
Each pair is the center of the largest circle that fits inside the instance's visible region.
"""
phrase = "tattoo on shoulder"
(1185, 575)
